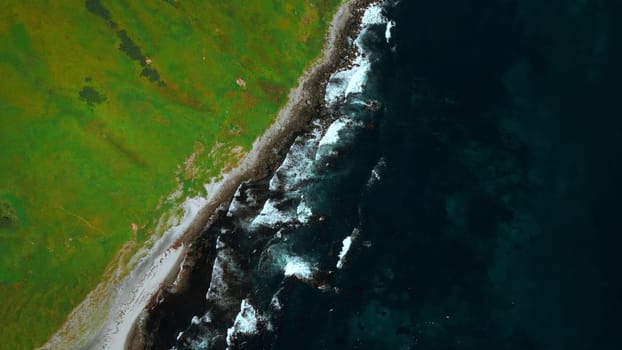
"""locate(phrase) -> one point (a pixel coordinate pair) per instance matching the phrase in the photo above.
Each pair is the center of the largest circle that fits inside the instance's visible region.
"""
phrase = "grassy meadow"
(106, 109)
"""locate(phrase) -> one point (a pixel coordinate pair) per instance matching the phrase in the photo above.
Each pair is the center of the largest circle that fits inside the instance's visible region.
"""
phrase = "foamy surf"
(351, 81)
(269, 240)
(246, 323)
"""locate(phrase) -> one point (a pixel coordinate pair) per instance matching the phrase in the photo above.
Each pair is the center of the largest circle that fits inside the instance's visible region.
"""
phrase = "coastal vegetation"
(112, 114)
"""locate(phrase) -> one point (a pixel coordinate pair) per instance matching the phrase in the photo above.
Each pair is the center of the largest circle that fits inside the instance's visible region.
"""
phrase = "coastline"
(128, 299)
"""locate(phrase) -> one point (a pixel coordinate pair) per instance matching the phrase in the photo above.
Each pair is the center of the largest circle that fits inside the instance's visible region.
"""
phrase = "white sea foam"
(235, 204)
(387, 31)
(346, 244)
(207, 318)
(245, 323)
(297, 267)
(373, 15)
(219, 243)
(352, 81)
(275, 303)
(218, 288)
(347, 82)
(358, 78)
(331, 136)
(297, 167)
(270, 216)
(304, 212)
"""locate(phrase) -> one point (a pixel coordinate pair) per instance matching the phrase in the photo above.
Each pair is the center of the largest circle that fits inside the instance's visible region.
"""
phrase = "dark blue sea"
(464, 195)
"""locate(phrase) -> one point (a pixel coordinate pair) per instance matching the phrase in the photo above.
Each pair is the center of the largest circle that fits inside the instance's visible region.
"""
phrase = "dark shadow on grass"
(91, 96)
(95, 7)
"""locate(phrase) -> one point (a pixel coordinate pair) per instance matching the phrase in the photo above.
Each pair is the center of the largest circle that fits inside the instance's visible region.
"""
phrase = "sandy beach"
(123, 301)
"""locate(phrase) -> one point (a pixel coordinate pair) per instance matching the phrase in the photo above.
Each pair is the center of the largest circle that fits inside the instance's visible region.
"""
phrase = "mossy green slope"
(107, 108)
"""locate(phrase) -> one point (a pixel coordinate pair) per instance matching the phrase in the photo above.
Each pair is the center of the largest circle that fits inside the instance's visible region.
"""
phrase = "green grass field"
(108, 108)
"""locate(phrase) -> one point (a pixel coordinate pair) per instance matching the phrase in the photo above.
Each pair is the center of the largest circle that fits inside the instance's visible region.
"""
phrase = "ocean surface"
(464, 195)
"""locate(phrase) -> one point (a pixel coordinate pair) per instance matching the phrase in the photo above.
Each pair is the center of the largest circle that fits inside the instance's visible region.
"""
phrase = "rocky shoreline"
(164, 272)
(306, 102)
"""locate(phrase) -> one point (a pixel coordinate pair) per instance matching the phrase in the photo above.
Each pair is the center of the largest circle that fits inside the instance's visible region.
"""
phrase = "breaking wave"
(274, 236)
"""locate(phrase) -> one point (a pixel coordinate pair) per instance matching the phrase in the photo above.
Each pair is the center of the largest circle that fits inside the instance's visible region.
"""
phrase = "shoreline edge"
(126, 300)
